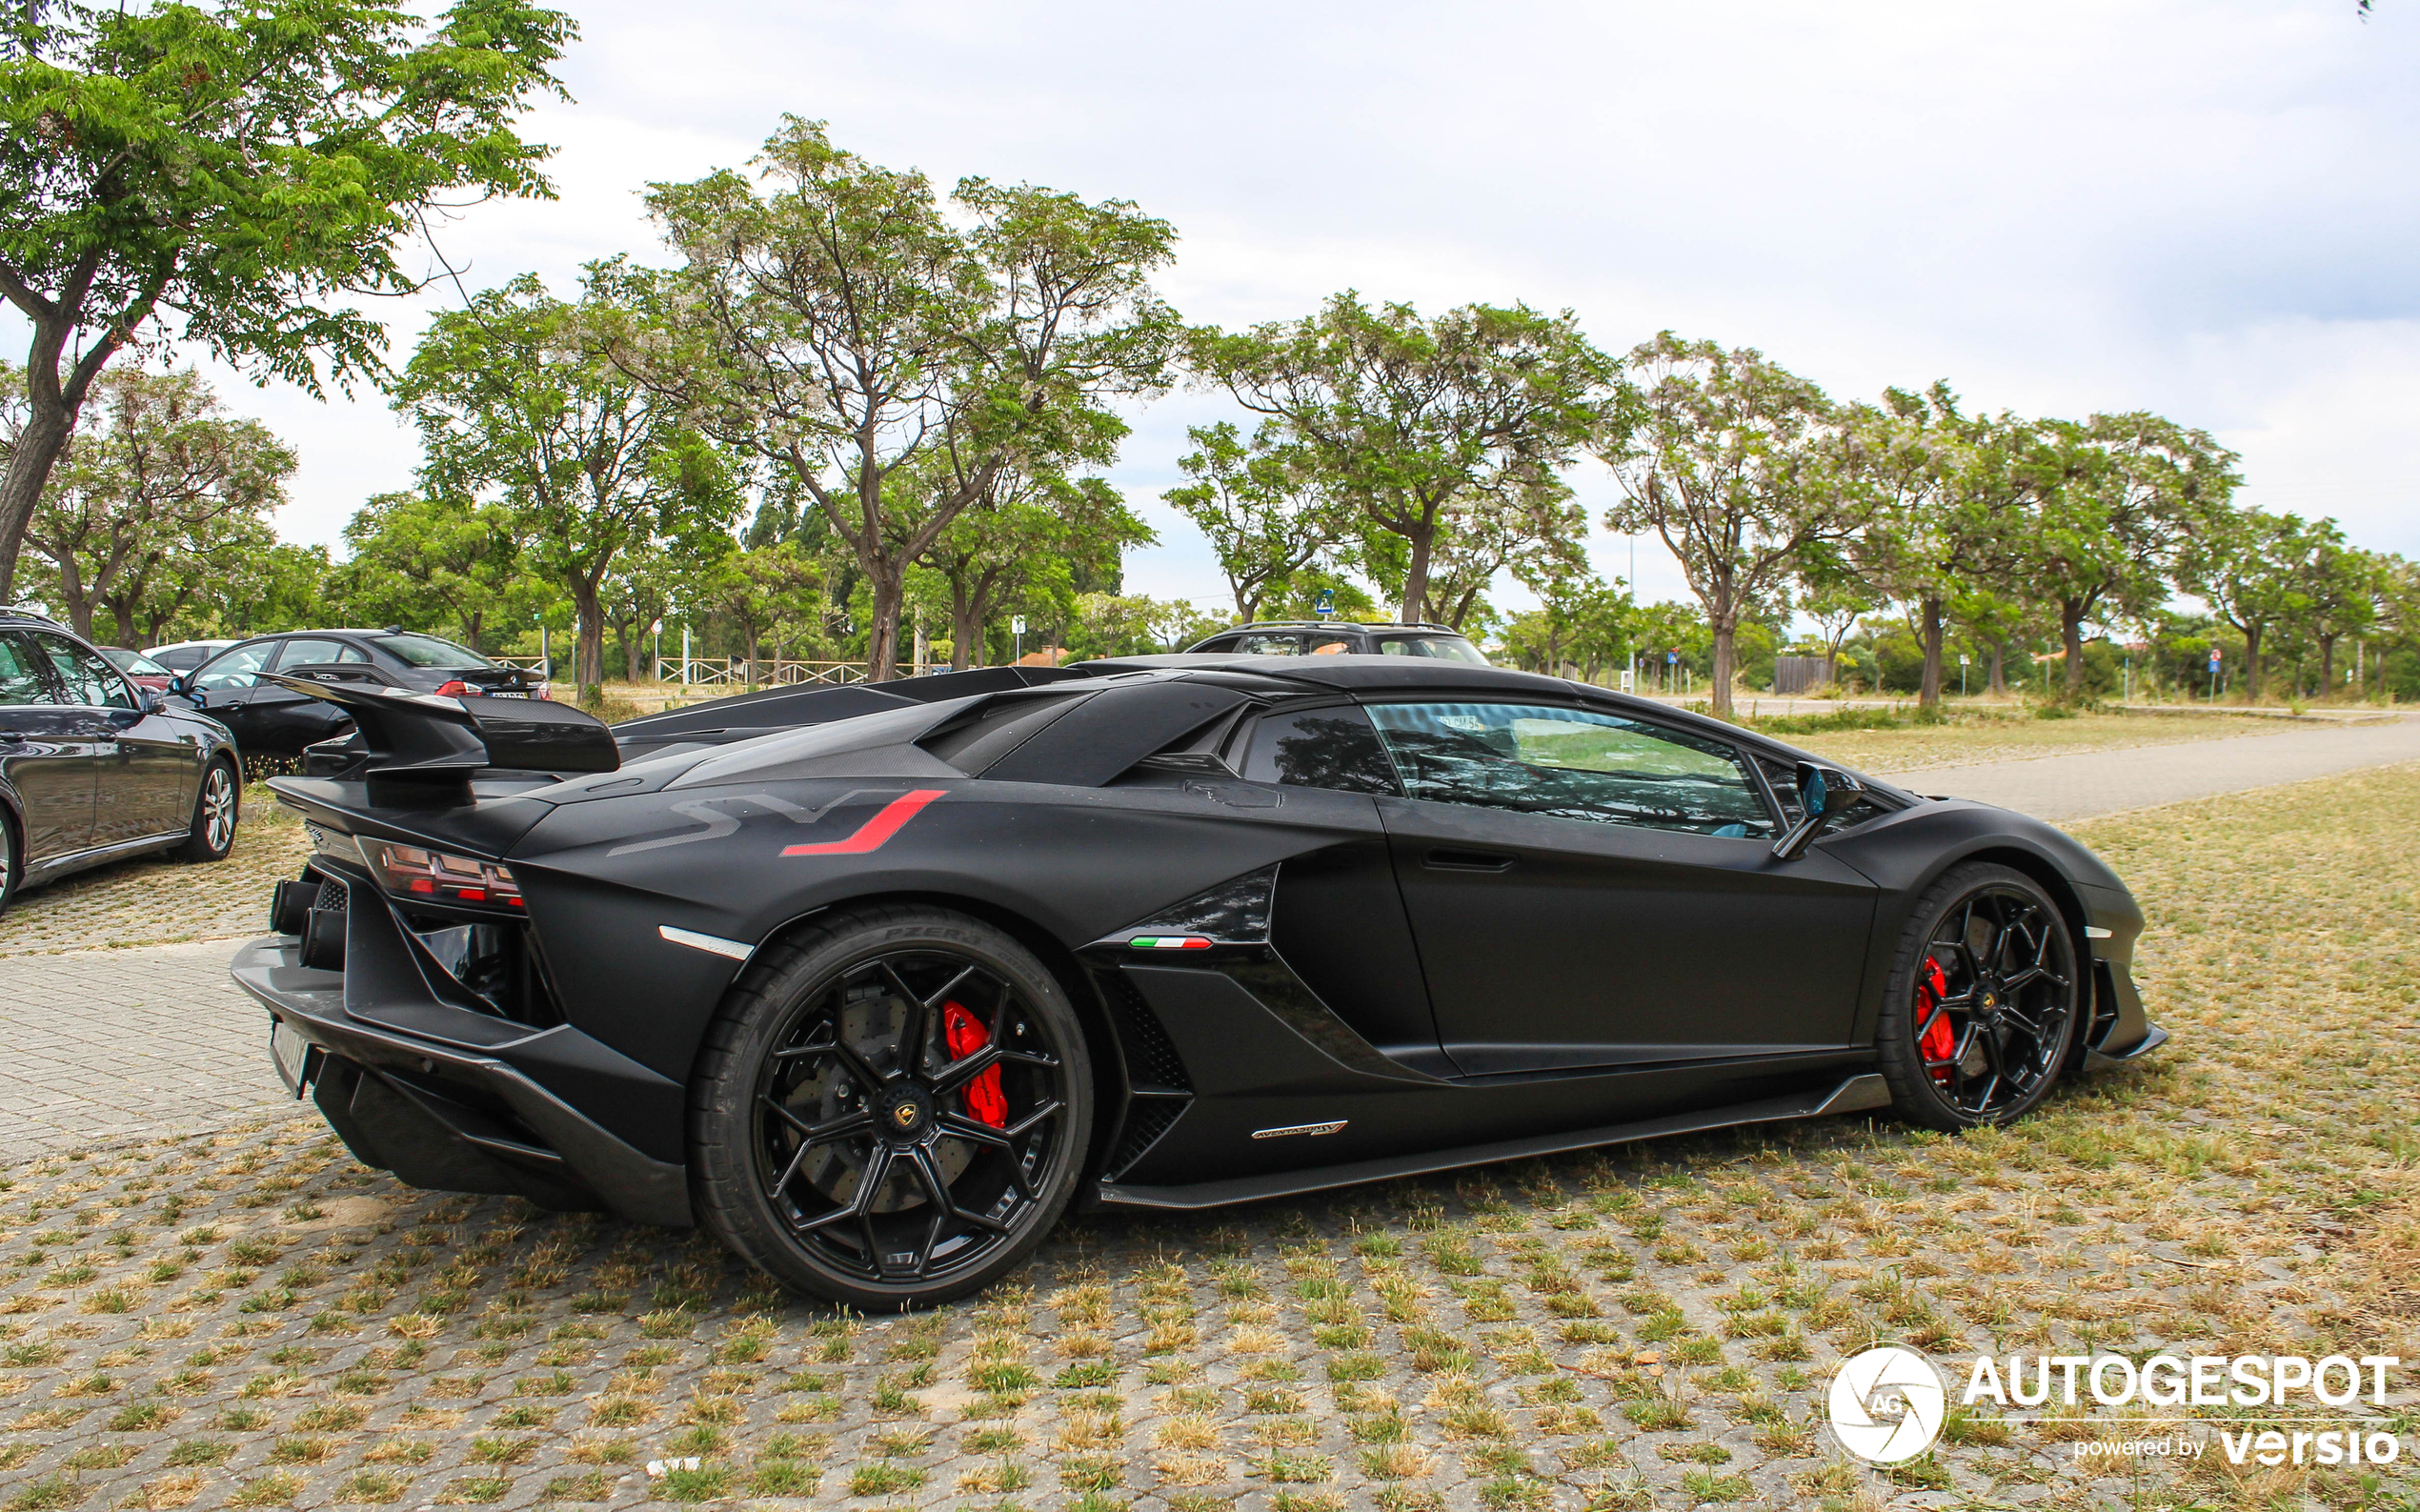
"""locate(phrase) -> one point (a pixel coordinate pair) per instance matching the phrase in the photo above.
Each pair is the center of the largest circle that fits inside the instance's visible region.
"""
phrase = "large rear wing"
(432, 741)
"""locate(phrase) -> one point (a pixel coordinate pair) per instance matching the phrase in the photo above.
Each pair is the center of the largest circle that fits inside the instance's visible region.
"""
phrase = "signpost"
(2213, 674)
(1962, 675)
(1324, 606)
(1016, 627)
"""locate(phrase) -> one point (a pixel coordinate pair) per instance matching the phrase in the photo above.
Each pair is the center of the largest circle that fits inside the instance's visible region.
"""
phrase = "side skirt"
(1855, 1094)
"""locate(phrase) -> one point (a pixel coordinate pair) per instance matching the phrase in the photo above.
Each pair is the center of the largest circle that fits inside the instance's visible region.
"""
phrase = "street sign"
(1016, 626)
(1325, 604)
(1962, 658)
(1671, 659)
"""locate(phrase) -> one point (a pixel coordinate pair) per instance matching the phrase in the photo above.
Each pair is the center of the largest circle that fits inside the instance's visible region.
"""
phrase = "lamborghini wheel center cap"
(908, 1116)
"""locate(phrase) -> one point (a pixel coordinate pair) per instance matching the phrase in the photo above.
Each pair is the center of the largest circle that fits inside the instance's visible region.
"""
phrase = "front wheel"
(891, 1108)
(215, 809)
(1984, 1001)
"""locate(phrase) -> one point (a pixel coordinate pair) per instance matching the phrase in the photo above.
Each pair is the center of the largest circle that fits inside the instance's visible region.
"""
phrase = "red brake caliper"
(1936, 1042)
(966, 1035)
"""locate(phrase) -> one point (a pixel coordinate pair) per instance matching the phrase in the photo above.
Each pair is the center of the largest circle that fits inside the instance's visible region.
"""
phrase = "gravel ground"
(250, 1320)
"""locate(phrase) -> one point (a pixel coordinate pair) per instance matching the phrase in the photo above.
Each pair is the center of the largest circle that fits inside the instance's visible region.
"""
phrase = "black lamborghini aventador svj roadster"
(876, 981)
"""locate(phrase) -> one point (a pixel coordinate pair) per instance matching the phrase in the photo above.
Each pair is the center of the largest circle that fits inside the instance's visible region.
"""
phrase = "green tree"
(1263, 506)
(2343, 586)
(1025, 546)
(242, 170)
(1727, 465)
(2251, 568)
(843, 327)
(1417, 423)
(2115, 500)
(415, 561)
(153, 465)
(588, 462)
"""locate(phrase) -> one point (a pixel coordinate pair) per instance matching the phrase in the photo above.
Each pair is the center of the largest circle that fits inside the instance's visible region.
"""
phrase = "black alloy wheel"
(892, 1109)
(1986, 999)
(216, 808)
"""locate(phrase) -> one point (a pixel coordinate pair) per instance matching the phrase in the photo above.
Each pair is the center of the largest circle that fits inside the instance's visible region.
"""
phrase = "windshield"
(427, 650)
(1444, 648)
(125, 660)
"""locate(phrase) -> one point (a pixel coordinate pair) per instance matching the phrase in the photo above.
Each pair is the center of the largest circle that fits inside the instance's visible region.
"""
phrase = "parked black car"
(269, 720)
(1316, 638)
(93, 769)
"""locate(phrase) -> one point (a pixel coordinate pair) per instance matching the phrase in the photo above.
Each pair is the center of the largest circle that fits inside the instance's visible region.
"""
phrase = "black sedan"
(93, 769)
(272, 721)
(873, 981)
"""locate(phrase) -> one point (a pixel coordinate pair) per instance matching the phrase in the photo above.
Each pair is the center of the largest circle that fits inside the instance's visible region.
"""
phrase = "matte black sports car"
(876, 981)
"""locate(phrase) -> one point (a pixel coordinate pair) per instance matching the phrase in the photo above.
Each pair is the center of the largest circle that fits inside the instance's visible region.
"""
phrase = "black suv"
(93, 769)
(273, 722)
(1311, 637)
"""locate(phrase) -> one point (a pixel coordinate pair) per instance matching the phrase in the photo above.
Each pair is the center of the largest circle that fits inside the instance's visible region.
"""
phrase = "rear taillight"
(454, 688)
(408, 872)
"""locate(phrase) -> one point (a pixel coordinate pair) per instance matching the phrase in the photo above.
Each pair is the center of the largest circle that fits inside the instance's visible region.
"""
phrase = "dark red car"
(140, 670)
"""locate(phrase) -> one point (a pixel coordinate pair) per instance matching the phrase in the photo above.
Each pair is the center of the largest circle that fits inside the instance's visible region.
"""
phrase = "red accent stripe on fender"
(876, 832)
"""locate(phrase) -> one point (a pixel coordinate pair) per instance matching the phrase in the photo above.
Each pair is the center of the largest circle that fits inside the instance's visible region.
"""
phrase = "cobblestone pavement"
(250, 1320)
(107, 1044)
(2077, 787)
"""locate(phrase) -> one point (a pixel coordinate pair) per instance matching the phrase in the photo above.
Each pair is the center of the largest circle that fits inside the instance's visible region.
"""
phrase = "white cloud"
(2198, 209)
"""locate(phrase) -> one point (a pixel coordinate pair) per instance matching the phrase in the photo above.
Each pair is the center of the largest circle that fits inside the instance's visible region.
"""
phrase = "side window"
(21, 679)
(85, 678)
(1216, 648)
(1330, 646)
(1572, 764)
(317, 654)
(239, 668)
(1333, 748)
(1270, 645)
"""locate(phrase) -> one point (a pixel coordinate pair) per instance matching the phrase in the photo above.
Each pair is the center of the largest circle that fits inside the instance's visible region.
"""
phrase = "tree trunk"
(2071, 640)
(29, 471)
(1416, 575)
(1723, 637)
(124, 613)
(1928, 691)
(631, 646)
(2251, 660)
(882, 636)
(966, 623)
(588, 653)
(2327, 665)
(1998, 682)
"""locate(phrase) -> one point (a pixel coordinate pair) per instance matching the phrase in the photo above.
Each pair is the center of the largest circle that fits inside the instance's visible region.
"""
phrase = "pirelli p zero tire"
(1984, 1001)
(890, 1109)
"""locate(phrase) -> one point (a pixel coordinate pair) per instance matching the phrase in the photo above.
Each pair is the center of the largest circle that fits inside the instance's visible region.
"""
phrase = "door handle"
(1446, 860)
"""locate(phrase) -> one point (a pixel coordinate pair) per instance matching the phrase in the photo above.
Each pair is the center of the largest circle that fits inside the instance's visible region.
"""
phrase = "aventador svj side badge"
(1299, 1128)
(876, 832)
(713, 944)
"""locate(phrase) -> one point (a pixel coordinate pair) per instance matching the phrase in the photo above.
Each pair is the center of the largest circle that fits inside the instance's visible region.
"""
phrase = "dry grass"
(2017, 735)
(1648, 1326)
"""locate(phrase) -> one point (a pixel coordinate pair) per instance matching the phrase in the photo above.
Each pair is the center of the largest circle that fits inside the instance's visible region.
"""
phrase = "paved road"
(106, 1044)
(2078, 787)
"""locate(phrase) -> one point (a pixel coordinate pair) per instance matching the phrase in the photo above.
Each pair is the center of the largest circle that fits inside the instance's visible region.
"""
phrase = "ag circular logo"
(1887, 1404)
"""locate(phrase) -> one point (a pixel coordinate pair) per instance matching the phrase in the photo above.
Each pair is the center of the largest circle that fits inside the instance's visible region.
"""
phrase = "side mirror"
(1824, 792)
(152, 702)
(177, 685)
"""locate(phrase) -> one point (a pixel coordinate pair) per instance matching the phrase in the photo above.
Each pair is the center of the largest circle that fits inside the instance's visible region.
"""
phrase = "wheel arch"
(1110, 1082)
(2045, 874)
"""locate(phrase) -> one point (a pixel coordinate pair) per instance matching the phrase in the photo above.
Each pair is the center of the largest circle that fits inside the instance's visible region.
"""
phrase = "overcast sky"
(2207, 210)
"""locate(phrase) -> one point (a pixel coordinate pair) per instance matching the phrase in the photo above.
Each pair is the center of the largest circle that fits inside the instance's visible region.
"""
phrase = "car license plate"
(507, 693)
(293, 1055)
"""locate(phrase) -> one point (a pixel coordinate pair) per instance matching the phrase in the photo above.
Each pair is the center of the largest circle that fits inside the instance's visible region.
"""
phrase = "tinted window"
(1320, 748)
(1443, 647)
(313, 653)
(239, 668)
(84, 677)
(1331, 646)
(1572, 764)
(185, 659)
(427, 650)
(1215, 647)
(20, 676)
(132, 662)
(1269, 645)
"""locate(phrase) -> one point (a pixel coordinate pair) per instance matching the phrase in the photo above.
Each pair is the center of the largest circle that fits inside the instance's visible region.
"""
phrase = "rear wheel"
(11, 861)
(1984, 1001)
(890, 1109)
(215, 810)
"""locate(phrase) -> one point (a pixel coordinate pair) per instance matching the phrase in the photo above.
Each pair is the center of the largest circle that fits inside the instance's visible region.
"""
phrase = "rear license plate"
(294, 1054)
(507, 693)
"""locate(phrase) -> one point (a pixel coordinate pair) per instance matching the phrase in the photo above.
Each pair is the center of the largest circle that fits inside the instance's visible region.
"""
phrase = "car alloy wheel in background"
(897, 1115)
(215, 810)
